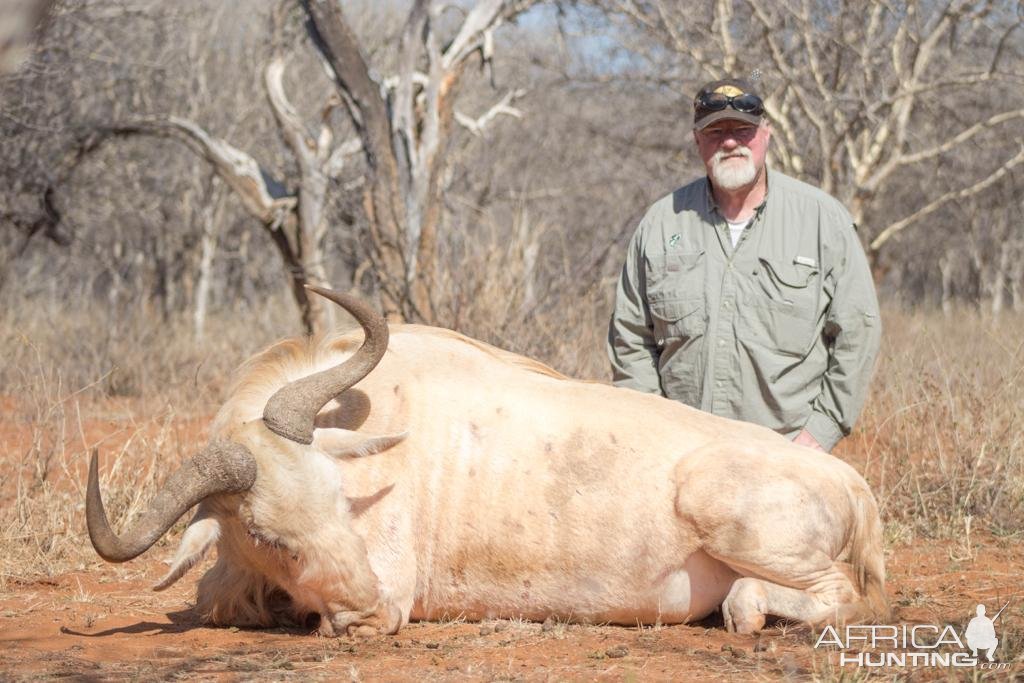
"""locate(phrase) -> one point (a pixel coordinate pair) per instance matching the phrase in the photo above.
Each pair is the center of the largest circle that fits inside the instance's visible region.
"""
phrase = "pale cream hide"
(500, 488)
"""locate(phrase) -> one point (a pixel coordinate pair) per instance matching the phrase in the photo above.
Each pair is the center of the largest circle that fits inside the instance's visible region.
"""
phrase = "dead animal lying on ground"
(497, 488)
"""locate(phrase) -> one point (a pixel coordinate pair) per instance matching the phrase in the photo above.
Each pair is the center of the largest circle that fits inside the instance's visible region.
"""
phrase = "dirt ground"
(104, 623)
(101, 622)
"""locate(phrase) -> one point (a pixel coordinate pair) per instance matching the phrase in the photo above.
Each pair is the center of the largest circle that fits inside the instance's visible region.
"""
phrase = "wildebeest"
(499, 488)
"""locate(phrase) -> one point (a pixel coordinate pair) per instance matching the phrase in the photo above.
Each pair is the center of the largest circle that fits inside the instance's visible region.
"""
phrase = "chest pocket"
(675, 296)
(792, 285)
(785, 305)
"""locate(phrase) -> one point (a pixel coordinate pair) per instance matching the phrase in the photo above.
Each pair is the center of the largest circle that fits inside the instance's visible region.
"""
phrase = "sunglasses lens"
(714, 102)
(748, 104)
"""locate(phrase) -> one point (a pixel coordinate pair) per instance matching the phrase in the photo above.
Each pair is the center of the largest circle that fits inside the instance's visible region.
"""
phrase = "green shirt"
(781, 331)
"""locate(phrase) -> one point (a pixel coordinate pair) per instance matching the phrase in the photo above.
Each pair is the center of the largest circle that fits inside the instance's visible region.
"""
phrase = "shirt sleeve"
(631, 347)
(854, 324)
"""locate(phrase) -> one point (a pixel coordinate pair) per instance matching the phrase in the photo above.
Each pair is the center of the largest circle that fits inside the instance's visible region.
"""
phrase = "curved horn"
(291, 410)
(222, 467)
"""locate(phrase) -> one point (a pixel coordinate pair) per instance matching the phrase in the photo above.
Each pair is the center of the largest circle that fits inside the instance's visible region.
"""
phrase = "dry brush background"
(135, 274)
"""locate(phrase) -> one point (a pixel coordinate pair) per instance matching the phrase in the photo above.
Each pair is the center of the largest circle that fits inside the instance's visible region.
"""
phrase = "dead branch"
(953, 195)
(476, 126)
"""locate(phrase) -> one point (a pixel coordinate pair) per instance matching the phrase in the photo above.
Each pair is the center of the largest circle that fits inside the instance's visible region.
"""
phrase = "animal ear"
(202, 532)
(342, 443)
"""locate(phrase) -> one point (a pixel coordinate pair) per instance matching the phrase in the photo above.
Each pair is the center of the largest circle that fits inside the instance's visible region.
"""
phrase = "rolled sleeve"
(824, 430)
(854, 324)
(631, 347)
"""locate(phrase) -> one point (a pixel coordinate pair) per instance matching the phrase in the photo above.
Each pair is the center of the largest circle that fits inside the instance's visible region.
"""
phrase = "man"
(981, 634)
(747, 293)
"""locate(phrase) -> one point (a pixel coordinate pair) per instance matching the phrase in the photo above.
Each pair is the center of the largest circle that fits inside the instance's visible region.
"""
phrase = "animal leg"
(344, 589)
(745, 607)
(790, 531)
(750, 600)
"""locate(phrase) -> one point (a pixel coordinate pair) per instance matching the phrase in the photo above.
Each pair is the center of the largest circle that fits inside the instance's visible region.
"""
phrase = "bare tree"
(862, 94)
(294, 217)
(100, 62)
(22, 21)
(295, 221)
(404, 127)
(43, 219)
(404, 123)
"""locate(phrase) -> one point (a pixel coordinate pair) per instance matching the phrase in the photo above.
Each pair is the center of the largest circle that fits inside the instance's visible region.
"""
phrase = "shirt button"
(725, 304)
(718, 385)
(721, 342)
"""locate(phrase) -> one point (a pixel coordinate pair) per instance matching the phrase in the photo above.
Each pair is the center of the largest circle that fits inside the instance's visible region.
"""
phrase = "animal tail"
(867, 557)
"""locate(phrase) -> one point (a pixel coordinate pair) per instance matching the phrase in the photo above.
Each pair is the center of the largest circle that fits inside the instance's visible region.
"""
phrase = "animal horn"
(291, 410)
(222, 467)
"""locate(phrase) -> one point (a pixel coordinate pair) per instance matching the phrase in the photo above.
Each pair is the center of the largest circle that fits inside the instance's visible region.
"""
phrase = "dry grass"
(137, 388)
(940, 439)
(42, 485)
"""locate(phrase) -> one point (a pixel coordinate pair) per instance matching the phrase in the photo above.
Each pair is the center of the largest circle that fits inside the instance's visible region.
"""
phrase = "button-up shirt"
(781, 330)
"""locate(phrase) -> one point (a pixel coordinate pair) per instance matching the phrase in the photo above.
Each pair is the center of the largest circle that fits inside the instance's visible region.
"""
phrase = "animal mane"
(284, 361)
(499, 353)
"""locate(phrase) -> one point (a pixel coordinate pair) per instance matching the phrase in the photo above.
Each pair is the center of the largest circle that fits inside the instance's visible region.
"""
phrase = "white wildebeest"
(501, 489)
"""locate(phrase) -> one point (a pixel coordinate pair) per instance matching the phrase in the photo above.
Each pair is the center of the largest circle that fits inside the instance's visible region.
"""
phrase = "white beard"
(734, 173)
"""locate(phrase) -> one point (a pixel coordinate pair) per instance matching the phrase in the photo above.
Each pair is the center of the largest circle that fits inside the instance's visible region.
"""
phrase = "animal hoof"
(744, 608)
(362, 631)
(326, 629)
(727, 617)
(385, 620)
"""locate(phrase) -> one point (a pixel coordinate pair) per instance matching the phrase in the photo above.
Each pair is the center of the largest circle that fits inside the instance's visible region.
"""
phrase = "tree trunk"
(213, 214)
(946, 267)
(405, 126)
(998, 285)
(1016, 276)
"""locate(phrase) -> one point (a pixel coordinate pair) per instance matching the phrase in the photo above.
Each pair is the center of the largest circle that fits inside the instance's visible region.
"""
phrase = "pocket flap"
(671, 310)
(682, 262)
(790, 274)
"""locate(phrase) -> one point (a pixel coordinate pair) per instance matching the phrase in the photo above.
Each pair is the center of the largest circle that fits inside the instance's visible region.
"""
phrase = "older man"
(747, 293)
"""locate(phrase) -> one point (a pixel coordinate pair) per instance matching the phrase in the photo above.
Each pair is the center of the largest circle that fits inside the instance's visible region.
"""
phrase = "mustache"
(742, 152)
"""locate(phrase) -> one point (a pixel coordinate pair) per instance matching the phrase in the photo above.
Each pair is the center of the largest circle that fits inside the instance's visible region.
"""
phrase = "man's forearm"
(634, 363)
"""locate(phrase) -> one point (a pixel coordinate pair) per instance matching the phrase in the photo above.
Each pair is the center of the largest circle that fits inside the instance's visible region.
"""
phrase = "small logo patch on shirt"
(805, 261)
(673, 240)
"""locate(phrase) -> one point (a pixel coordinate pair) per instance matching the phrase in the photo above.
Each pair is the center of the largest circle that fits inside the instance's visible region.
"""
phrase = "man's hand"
(804, 438)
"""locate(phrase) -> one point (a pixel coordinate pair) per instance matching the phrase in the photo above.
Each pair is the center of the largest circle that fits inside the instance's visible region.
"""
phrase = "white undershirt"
(736, 229)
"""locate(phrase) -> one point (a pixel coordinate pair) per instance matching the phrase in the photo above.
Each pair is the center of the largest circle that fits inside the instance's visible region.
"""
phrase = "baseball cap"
(729, 98)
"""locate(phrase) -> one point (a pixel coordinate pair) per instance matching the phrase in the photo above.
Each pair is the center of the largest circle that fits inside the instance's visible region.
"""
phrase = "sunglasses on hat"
(746, 103)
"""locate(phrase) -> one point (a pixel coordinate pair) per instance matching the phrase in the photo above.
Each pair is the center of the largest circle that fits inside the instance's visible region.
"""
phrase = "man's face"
(733, 152)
